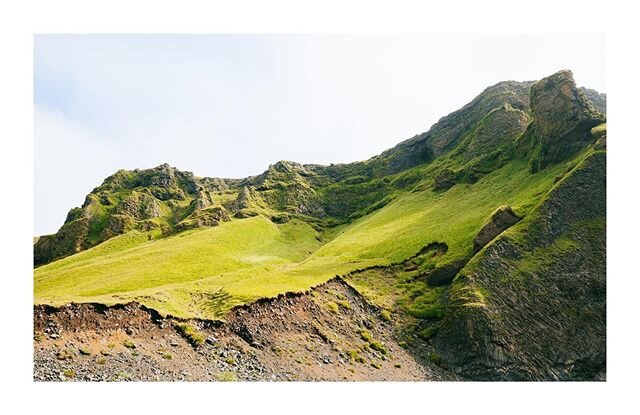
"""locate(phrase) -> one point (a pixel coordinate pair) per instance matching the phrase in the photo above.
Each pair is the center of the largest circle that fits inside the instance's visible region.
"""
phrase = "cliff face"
(562, 119)
(532, 304)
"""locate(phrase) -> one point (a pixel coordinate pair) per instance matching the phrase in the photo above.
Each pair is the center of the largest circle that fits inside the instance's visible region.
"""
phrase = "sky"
(231, 105)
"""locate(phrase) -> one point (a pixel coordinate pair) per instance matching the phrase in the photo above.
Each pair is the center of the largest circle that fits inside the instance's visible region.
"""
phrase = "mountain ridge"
(478, 239)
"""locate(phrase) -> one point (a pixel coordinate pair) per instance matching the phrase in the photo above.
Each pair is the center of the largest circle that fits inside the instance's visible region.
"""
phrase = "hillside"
(463, 236)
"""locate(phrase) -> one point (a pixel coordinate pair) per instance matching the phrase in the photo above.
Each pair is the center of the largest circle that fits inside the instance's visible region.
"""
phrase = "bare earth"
(290, 338)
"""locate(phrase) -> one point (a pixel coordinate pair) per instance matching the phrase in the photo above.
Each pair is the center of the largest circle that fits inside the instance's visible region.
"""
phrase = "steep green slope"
(419, 229)
(253, 258)
(532, 305)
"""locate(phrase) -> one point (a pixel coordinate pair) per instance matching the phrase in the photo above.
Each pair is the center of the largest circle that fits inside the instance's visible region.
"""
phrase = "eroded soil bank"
(329, 333)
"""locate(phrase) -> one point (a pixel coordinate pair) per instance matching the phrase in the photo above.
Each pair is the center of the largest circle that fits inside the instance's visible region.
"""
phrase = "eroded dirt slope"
(329, 333)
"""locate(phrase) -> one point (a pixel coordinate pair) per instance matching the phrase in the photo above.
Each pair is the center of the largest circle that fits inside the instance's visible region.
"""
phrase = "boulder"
(502, 219)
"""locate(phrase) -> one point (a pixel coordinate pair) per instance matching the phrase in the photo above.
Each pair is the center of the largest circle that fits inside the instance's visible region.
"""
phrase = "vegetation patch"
(190, 333)
(378, 346)
(227, 377)
(332, 307)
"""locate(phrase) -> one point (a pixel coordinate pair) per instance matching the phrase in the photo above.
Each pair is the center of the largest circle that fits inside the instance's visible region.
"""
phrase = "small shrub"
(377, 346)
(84, 351)
(332, 307)
(226, 377)
(398, 365)
(345, 304)
(129, 344)
(428, 332)
(191, 334)
(365, 335)
(385, 315)
(101, 361)
(167, 356)
(123, 375)
(111, 345)
(230, 361)
(69, 373)
(354, 356)
(434, 358)
(376, 365)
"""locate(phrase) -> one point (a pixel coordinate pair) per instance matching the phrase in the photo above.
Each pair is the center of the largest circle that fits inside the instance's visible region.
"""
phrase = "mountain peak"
(562, 118)
(558, 106)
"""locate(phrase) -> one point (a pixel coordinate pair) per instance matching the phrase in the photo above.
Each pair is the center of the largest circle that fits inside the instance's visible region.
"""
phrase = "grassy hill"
(245, 259)
(452, 230)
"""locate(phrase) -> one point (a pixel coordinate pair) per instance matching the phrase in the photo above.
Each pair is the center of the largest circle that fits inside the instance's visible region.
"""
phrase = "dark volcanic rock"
(532, 306)
(598, 99)
(562, 119)
(502, 219)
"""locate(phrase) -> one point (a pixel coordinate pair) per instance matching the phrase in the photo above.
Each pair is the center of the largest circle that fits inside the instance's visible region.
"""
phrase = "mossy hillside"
(203, 272)
(166, 198)
(132, 263)
(376, 219)
(537, 291)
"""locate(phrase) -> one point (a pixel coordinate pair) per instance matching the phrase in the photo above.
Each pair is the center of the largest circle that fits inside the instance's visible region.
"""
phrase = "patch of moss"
(190, 333)
(226, 377)
(378, 346)
(332, 307)
(365, 335)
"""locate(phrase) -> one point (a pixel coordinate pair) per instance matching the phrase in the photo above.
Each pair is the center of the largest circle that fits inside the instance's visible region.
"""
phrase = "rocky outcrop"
(501, 126)
(286, 187)
(562, 119)
(129, 199)
(599, 100)
(139, 206)
(502, 219)
(448, 132)
(209, 217)
(70, 239)
(532, 305)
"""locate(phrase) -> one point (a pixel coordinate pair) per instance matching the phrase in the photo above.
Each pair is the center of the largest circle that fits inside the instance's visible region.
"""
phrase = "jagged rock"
(500, 126)
(116, 225)
(599, 100)
(502, 219)
(139, 206)
(562, 119)
(445, 180)
(444, 274)
(211, 216)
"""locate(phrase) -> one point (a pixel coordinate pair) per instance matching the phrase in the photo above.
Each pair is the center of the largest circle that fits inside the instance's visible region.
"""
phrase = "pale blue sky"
(230, 105)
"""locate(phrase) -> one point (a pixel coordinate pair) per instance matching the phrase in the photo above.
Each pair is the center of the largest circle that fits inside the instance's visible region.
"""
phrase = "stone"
(502, 219)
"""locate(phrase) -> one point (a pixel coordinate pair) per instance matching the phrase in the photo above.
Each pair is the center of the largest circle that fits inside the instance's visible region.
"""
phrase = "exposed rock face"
(71, 238)
(558, 106)
(126, 200)
(139, 206)
(207, 217)
(598, 99)
(445, 274)
(286, 186)
(450, 130)
(502, 219)
(533, 305)
(501, 126)
(562, 119)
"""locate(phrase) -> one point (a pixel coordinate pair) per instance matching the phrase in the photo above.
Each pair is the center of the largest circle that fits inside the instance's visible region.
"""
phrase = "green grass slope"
(204, 272)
